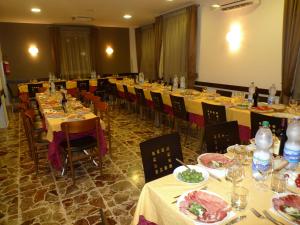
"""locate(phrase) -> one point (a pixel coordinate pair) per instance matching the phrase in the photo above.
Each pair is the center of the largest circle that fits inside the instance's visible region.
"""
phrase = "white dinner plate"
(199, 169)
(230, 214)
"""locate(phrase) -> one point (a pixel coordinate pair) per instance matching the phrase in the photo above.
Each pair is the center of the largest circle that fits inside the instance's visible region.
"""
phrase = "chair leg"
(72, 170)
(36, 160)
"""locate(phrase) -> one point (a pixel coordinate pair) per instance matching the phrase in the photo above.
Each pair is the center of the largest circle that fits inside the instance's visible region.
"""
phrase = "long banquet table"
(194, 106)
(53, 124)
(155, 201)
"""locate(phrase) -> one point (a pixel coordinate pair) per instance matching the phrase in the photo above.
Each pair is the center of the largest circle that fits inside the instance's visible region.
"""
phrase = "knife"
(235, 220)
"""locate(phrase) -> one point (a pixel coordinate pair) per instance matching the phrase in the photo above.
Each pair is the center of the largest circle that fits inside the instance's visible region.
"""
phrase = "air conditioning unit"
(238, 4)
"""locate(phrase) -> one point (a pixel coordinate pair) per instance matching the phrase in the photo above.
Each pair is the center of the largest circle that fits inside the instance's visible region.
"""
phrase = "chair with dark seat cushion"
(159, 155)
(85, 147)
(180, 113)
(128, 99)
(158, 107)
(141, 101)
(213, 114)
(83, 85)
(221, 135)
(257, 119)
(224, 93)
(59, 84)
(33, 89)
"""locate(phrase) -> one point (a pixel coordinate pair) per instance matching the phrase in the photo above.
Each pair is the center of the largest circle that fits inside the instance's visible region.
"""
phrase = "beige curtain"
(55, 43)
(147, 52)
(191, 45)
(175, 44)
(291, 47)
(138, 37)
(296, 93)
(158, 28)
(75, 53)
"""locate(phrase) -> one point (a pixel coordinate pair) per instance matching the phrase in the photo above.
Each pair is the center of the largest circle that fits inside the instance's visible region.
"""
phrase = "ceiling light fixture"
(127, 16)
(169, 0)
(33, 50)
(215, 6)
(36, 10)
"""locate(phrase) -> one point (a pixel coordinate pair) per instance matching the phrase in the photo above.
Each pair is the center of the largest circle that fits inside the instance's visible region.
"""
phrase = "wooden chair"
(213, 113)
(85, 147)
(101, 109)
(221, 135)
(141, 102)
(103, 220)
(38, 144)
(128, 98)
(33, 89)
(158, 107)
(60, 84)
(180, 113)
(83, 85)
(224, 93)
(159, 155)
(257, 119)
(42, 89)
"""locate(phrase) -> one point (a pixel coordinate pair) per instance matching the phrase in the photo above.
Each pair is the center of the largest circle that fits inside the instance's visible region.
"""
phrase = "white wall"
(258, 59)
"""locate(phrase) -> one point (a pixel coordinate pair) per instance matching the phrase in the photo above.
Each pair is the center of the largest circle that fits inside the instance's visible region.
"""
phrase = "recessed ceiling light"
(215, 6)
(35, 10)
(169, 0)
(127, 16)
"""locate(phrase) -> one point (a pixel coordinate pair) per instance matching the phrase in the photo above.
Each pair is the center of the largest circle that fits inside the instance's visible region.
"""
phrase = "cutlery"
(182, 163)
(269, 217)
(203, 188)
(235, 220)
(257, 214)
(213, 176)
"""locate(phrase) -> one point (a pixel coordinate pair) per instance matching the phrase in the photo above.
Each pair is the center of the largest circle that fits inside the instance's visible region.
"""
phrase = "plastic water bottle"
(175, 82)
(272, 93)
(291, 151)
(182, 82)
(262, 157)
(251, 92)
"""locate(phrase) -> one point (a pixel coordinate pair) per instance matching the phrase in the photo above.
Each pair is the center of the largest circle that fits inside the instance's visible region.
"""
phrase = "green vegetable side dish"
(293, 212)
(190, 176)
(196, 209)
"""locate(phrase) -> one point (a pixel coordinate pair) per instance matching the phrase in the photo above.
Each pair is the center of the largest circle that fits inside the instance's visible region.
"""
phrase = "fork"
(257, 214)
(273, 220)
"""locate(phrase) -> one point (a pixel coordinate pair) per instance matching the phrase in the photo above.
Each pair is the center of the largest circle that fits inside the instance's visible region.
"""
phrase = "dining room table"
(235, 106)
(54, 114)
(158, 202)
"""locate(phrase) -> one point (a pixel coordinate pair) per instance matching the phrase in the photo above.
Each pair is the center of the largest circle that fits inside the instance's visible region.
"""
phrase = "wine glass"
(293, 104)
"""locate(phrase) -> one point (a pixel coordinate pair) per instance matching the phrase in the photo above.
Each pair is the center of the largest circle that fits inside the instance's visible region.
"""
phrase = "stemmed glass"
(293, 104)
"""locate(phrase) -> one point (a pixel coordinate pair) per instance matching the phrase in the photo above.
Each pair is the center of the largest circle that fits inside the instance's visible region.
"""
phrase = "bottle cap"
(265, 123)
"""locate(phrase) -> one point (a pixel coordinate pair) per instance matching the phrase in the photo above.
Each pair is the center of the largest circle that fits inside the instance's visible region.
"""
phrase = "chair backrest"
(114, 90)
(59, 84)
(80, 126)
(126, 93)
(157, 101)
(140, 96)
(224, 93)
(33, 89)
(257, 119)
(83, 85)
(213, 114)
(159, 155)
(221, 135)
(178, 107)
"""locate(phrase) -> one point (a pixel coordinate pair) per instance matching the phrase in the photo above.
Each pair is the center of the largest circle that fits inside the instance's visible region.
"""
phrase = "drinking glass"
(293, 104)
(239, 197)
(278, 182)
(235, 173)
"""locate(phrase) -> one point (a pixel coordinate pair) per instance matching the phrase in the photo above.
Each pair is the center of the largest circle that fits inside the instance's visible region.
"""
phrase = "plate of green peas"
(193, 175)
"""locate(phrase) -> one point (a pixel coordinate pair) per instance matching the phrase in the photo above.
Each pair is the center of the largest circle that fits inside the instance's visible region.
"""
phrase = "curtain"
(75, 53)
(158, 26)
(175, 44)
(138, 34)
(296, 93)
(55, 49)
(291, 46)
(191, 45)
(147, 52)
(94, 48)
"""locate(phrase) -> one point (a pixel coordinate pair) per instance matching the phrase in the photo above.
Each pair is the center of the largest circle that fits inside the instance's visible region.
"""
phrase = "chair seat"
(80, 143)
(41, 138)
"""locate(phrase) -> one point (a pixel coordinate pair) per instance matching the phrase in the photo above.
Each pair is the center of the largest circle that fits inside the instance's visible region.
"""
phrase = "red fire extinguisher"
(6, 67)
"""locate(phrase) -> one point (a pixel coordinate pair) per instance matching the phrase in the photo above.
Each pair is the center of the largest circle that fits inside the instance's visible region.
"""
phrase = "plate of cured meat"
(287, 205)
(204, 207)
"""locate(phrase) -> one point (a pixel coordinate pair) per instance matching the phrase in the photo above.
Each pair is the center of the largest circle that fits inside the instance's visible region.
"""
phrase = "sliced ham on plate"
(288, 206)
(214, 160)
(204, 206)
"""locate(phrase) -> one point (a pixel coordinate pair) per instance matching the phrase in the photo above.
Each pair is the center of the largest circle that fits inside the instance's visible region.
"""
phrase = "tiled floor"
(50, 199)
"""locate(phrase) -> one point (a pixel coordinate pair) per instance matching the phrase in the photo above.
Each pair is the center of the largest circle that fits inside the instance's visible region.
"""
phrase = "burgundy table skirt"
(54, 154)
(143, 221)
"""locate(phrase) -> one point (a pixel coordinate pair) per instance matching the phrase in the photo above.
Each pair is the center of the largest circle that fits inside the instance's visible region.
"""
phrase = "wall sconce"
(234, 37)
(33, 50)
(109, 51)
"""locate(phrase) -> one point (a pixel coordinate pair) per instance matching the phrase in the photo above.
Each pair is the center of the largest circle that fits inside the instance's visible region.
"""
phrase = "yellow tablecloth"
(156, 198)
(70, 84)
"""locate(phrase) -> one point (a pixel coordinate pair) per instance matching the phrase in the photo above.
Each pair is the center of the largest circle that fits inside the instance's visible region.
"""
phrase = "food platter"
(204, 207)
(179, 171)
(287, 205)
(262, 109)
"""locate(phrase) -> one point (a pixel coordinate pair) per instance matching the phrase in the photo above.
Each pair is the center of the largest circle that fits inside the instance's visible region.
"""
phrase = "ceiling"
(104, 12)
